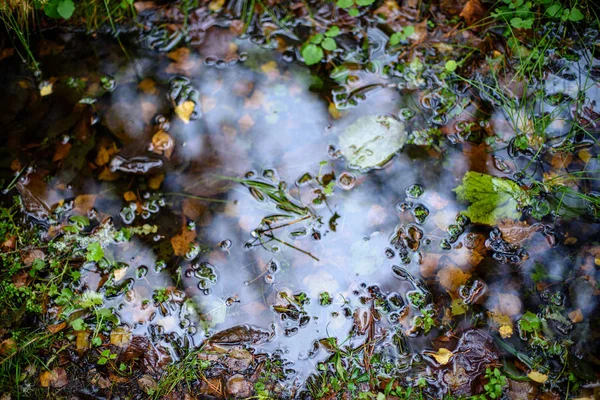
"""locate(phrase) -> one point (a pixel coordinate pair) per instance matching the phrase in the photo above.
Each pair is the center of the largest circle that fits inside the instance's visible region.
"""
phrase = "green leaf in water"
(492, 199)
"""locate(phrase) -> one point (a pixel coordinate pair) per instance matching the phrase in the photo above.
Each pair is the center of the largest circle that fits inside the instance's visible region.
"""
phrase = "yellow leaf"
(216, 5)
(185, 110)
(119, 273)
(537, 376)
(45, 89)
(442, 356)
(155, 181)
(505, 331)
(120, 337)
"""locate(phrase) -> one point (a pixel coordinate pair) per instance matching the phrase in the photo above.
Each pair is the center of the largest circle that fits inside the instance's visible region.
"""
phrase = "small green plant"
(496, 382)
(57, 8)
(105, 357)
(160, 295)
(313, 50)
(352, 5)
(402, 35)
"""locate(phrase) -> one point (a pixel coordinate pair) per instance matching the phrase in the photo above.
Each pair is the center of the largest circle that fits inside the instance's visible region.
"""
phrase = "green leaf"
(364, 3)
(554, 9)
(492, 199)
(96, 341)
(575, 15)
(94, 252)
(65, 8)
(90, 299)
(353, 12)
(333, 31)
(312, 54)
(316, 39)
(51, 9)
(78, 324)
(329, 44)
(451, 65)
(344, 3)
(530, 322)
(395, 38)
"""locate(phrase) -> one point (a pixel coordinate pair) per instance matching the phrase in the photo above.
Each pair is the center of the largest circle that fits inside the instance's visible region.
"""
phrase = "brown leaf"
(57, 327)
(148, 86)
(120, 337)
(20, 279)
(451, 278)
(473, 11)
(162, 143)
(82, 341)
(193, 209)
(30, 256)
(84, 203)
(62, 151)
(155, 181)
(576, 316)
(8, 346)
(181, 243)
(56, 378)
(9, 244)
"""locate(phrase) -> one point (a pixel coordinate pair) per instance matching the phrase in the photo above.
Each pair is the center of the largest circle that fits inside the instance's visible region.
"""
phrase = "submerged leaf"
(442, 356)
(184, 110)
(372, 141)
(492, 199)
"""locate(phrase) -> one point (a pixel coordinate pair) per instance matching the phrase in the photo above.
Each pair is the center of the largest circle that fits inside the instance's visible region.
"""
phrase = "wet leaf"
(451, 278)
(162, 143)
(473, 11)
(505, 331)
(84, 203)
(181, 243)
(442, 356)
(65, 8)
(56, 378)
(57, 327)
(46, 89)
(492, 199)
(184, 110)
(537, 376)
(120, 337)
(372, 141)
(154, 181)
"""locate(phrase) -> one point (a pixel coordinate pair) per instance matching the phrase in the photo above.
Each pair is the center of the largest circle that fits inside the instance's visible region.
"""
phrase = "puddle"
(231, 157)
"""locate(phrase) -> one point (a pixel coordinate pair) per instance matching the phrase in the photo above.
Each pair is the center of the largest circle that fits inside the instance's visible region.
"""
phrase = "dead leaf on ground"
(7, 347)
(537, 376)
(56, 378)
(120, 337)
(31, 255)
(473, 11)
(155, 181)
(162, 143)
(576, 316)
(57, 327)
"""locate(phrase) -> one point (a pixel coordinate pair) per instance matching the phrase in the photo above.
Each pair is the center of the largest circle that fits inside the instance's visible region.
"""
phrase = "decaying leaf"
(162, 143)
(537, 376)
(472, 12)
(155, 181)
(451, 278)
(84, 203)
(184, 110)
(181, 243)
(505, 331)
(442, 356)
(56, 378)
(46, 89)
(120, 337)
(372, 141)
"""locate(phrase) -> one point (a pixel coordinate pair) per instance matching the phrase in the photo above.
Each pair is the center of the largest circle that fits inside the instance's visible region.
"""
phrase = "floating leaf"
(372, 141)
(94, 252)
(442, 356)
(492, 199)
(184, 110)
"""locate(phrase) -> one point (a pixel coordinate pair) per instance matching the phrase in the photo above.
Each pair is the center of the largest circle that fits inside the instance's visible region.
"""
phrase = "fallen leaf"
(46, 89)
(537, 376)
(193, 209)
(57, 327)
(30, 256)
(184, 110)
(472, 12)
(155, 181)
(181, 242)
(8, 346)
(505, 331)
(62, 151)
(84, 203)
(585, 156)
(56, 378)
(162, 143)
(451, 278)
(129, 196)
(120, 337)
(148, 86)
(119, 274)
(216, 5)
(576, 316)
(442, 356)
